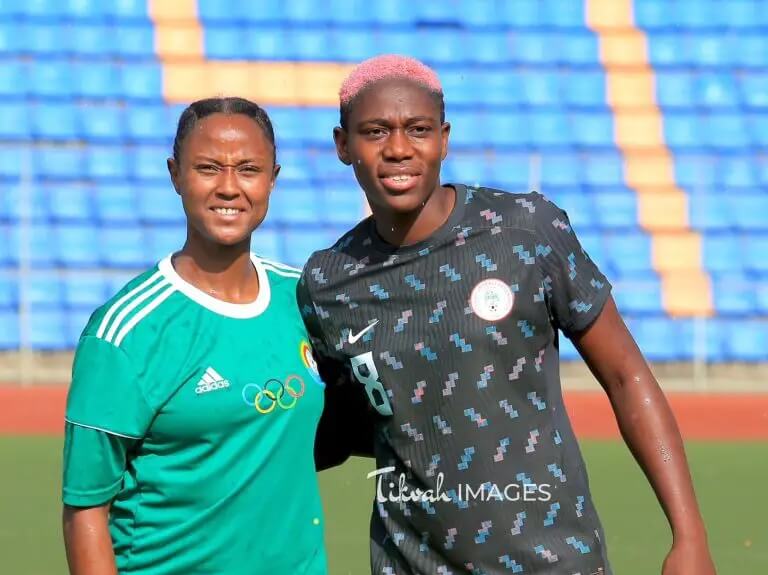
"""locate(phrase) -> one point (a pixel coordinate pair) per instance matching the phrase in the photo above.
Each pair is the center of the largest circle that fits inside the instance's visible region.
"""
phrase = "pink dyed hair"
(385, 67)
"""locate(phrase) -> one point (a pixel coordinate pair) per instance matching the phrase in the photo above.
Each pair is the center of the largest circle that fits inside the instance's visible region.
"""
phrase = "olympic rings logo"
(274, 393)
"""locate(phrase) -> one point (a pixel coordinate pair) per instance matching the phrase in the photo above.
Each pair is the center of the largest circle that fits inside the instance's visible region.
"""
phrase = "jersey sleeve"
(93, 465)
(347, 424)
(575, 289)
(106, 393)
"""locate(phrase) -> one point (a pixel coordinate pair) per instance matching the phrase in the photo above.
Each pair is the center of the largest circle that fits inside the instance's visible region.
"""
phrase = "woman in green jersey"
(194, 402)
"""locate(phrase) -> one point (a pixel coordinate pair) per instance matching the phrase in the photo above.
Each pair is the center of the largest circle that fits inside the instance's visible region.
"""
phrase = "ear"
(445, 132)
(340, 138)
(275, 173)
(173, 170)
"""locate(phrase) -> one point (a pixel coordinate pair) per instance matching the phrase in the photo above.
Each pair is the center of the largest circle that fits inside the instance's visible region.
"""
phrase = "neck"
(406, 228)
(224, 272)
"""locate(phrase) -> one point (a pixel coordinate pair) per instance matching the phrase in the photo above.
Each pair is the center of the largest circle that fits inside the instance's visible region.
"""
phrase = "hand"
(689, 558)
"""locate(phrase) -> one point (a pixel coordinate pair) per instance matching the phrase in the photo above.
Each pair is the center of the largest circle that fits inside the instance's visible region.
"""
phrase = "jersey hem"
(93, 498)
(102, 429)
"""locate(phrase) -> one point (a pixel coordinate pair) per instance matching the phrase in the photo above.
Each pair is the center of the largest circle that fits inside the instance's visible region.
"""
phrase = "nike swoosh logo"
(358, 335)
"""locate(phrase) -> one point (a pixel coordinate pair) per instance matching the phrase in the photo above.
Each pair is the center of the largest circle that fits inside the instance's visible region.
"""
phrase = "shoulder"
(280, 275)
(530, 211)
(141, 302)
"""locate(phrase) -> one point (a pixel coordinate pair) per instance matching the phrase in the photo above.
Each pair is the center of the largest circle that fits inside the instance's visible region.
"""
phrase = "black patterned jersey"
(454, 341)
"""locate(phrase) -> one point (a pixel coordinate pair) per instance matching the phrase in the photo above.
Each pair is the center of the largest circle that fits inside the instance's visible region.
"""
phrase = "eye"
(421, 130)
(206, 168)
(375, 132)
(250, 169)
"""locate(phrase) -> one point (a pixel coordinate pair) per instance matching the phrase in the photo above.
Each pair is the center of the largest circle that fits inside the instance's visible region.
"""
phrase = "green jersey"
(196, 418)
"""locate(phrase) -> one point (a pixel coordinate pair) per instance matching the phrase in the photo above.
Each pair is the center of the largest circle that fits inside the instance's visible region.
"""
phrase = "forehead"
(394, 98)
(219, 130)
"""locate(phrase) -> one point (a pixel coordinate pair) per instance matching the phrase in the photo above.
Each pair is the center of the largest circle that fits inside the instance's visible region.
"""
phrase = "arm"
(648, 426)
(87, 541)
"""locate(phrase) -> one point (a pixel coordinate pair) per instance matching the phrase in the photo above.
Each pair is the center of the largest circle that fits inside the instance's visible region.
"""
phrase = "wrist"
(692, 532)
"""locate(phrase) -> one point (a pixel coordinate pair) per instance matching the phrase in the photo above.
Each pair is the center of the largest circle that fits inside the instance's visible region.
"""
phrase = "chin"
(402, 203)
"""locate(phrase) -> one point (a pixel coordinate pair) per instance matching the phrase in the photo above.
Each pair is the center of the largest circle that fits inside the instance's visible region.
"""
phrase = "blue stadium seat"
(350, 45)
(547, 130)
(594, 246)
(467, 169)
(164, 240)
(50, 79)
(701, 338)
(541, 88)
(695, 172)
(159, 204)
(397, 40)
(500, 129)
(127, 10)
(717, 91)
(69, 202)
(294, 167)
(9, 253)
(484, 14)
(149, 124)
(629, 252)
(11, 42)
(217, 12)
(76, 245)
(675, 89)
(349, 12)
(223, 42)
(592, 129)
(54, 122)
(307, 44)
(668, 50)
(24, 200)
(749, 211)
(652, 14)
(586, 89)
(725, 131)
(85, 10)
(43, 290)
(59, 163)
(342, 205)
(755, 248)
(13, 162)
(326, 164)
(750, 49)
(736, 172)
(709, 50)
(299, 243)
(761, 296)
(96, 80)
(303, 12)
(9, 330)
(437, 46)
(13, 77)
(560, 170)
(734, 294)
(48, 329)
(115, 203)
(723, 253)
(709, 212)
(92, 41)
(123, 248)
(616, 209)
(603, 169)
(579, 208)
(436, 13)
(746, 341)
(141, 81)
(149, 163)
(107, 163)
(563, 14)
(43, 39)
(514, 170)
(683, 130)
(101, 124)
(391, 13)
(741, 14)
(522, 14)
(754, 90)
(15, 121)
(487, 47)
(758, 128)
(9, 292)
(268, 44)
(295, 204)
(318, 125)
(639, 295)
(84, 291)
(267, 242)
(135, 41)
(579, 49)
(658, 338)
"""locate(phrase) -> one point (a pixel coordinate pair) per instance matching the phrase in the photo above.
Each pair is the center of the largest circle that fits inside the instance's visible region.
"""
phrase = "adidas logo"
(211, 381)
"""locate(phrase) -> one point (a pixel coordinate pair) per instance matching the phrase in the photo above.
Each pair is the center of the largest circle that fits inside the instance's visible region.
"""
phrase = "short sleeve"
(93, 466)
(106, 393)
(576, 290)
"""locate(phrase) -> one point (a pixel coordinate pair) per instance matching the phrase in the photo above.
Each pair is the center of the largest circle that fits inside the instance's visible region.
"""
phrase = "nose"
(398, 147)
(228, 185)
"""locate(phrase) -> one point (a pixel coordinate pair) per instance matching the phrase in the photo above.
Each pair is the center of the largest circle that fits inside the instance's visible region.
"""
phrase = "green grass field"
(730, 481)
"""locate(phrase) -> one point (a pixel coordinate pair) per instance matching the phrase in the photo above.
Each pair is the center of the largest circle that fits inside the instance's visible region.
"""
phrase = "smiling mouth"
(227, 211)
(399, 182)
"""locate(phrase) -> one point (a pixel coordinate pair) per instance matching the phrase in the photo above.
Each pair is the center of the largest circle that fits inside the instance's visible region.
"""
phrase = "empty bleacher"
(90, 93)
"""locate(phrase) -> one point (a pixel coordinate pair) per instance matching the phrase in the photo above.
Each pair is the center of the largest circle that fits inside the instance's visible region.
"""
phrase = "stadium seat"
(586, 89)
(754, 90)
(97, 80)
(734, 294)
(592, 129)
(9, 254)
(84, 292)
(55, 122)
(629, 252)
(48, 329)
(702, 339)
(638, 295)
(107, 163)
(486, 47)
(76, 245)
(755, 249)
(266, 242)
(717, 91)
(123, 248)
(43, 291)
(657, 338)
(318, 126)
(223, 42)
(159, 204)
(15, 121)
(141, 81)
(616, 210)
(69, 202)
(92, 40)
(9, 330)
(164, 240)
(13, 76)
(724, 131)
(736, 172)
(749, 211)
(746, 341)
(350, 45)
(723, 253)
(708, 212)
(115, 203)
(135, 41)
(149, 124)
(101, 124)
(149, 163)
(341, 205)
(558, 170)
(675, 89)
(295, 204)
(299, 243)
(604, 169)
(9, 292)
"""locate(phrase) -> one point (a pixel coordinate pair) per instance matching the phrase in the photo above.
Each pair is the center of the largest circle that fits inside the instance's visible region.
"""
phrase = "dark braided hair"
(198, 110)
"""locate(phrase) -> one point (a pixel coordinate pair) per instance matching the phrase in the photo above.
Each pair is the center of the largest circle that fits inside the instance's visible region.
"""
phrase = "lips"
(399, 182)
(226, 211)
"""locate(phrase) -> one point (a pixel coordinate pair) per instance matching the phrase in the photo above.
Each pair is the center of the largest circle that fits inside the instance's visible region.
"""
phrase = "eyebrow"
(214, 161)
(386, 122)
